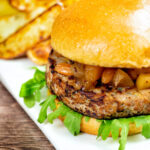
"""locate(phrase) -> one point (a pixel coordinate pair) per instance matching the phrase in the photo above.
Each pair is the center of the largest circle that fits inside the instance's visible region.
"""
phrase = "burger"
(99, 68)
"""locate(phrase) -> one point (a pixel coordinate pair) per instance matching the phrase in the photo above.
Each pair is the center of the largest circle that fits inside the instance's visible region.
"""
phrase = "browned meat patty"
(103, 102)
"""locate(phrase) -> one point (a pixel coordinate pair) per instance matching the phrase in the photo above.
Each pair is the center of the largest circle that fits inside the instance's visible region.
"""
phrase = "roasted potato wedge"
(27, 6)
(6, 9)
(34, 32)
(40, 52)
(11, 19)
(24, 5)
(9, 25)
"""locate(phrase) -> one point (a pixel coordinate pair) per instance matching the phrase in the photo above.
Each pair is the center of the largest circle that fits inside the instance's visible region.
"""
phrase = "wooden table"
(17, 130)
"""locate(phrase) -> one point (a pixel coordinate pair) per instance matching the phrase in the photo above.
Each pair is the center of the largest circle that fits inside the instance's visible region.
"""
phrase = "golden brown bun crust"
(92, 126)
(105, 32)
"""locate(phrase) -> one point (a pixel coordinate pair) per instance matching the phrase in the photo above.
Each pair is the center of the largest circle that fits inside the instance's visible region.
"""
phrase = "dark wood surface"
(17, 130)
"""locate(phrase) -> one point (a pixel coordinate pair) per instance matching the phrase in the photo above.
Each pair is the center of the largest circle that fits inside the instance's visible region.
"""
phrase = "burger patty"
(103, 102)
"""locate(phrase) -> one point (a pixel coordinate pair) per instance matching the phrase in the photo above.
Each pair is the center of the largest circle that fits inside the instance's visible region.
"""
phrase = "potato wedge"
(40, 52)
(34, 32)
(10, 24)
(143, 81)
(11, 19)
(27, 6)
(24, 5)
(6, 9)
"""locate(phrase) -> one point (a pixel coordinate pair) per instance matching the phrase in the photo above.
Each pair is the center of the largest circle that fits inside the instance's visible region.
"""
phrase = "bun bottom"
(92, 125)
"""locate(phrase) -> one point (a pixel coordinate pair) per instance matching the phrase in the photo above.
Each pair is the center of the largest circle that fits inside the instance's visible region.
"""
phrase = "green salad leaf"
(49, 102)
(124, 132)
(146, 130)
(30, 87)
(115, 127)
(72, 119)
(101, 128)
(61, 111)
(145, 122)
(106, 129)
(41, 104)
(39, 75)
(72, 122)
(123, 136)
(37, 95)
(29, 101)
(122, 124)
(30, 90)
(52, 102)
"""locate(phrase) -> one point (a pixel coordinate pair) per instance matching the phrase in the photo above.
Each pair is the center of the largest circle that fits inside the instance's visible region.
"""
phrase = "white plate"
(13, 73)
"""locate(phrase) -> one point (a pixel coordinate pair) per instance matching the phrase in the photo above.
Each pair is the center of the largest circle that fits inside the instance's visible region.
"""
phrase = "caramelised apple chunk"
(122, 79)
(143, 81)
(90, 76)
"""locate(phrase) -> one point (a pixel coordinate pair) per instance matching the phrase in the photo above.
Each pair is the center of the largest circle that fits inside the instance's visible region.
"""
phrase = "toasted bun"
(92, 126)
(105, 33)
